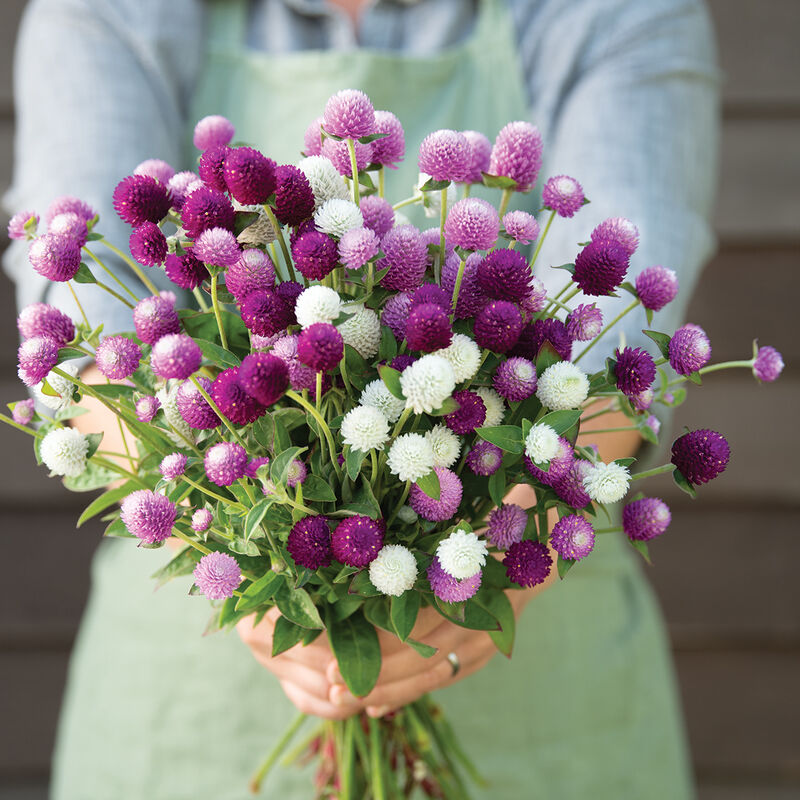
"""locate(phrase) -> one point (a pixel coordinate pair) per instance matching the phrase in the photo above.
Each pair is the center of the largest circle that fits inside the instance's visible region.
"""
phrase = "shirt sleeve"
(99, 87)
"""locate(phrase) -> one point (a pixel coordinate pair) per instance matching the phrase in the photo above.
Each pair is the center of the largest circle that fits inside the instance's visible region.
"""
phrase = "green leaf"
(561, 421)
(218, 356)
(285, 636)
(93, 477)
(468, 615)
(566, 267)
(84, 275)
(499, 606)
(498, 181)
(230, 615)
(372, 137)
(347, 605)
(430, 485)
(625, 462)
(388, 348)
(117, 528)
(318, 490)
(448, 407)
(695, 378)
(376, 611)
(682, 483)
(94, 442)
(546, 357)
(641, 548)
(68, 353)
(279, 470)
(506, 437)
(261, 591)
(297, 605)
(404, 610)
(362, 585)
(391, 377)
(355, 644)
(497, 486)
(365, 498)
(244, 547)
(434, 186)
(182, 564)
(113, 390)
(357, 370)
(101, 503)
(425, 650)
(264, 432)
(345, 573)
(255, 515)
(353, 461)
(629, 288)
(564, 566)
(661, 339)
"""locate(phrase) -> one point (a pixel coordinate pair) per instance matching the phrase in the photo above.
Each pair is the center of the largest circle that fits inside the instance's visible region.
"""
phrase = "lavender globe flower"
(689, 349)
(147, 408)
(536, 300)
(141, 198)
(357, 540)
(70, 225)
(36, 357)
(218, 247)
(521, 226)
(428, 328)
(265, 313)
(154, 317)
(395, 314)
(232, 400)
(212, 167)
(507, 524)
(41, 319)
(473, 224)
(225, 463)
(264, 376)
(656, 286)
(505, 275)
(206, 208)
(254, 465)
(249, 175)
(768, 364)
(563, 194)
(480, 153)
(175, 355)
(517, 154)
(349, 114)
(55, 257)
(217, 575)
(201, 520)
(445, 155)
(23, 411)
(621, 230)
(584, 322)
(527, 563)
(450, 589)
(69, 205)
(148, 516)
(338, 154)
(389, 150)
(557, 466)
(653, 423)
(17, 223)
(148, 244)
(484, 458)
(646, 518)
(357, 247)
(309, 543)
(320, 346)
(515, 379)
(193, 407)
(498, 326)
(471, 298)
(186, 271)
(252, 270)
(701, 455)
(450, 491)
(635, 370)
(600, 267)
(569, 487)
(572, 537)
(406, 256)
(117, 357)
(315, 254)
(172, 466)
(213, 130)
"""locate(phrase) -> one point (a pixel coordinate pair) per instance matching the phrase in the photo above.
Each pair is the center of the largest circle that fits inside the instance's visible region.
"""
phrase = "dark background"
(726, 570)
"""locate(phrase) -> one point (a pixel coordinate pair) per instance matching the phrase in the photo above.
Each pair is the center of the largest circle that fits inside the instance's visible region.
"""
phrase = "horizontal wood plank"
(748, 790)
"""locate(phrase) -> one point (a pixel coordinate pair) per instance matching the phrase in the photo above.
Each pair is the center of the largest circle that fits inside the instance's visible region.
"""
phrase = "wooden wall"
(725, 573)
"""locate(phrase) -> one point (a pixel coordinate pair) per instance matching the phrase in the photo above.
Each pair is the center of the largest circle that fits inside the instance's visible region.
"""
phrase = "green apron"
(587, 705)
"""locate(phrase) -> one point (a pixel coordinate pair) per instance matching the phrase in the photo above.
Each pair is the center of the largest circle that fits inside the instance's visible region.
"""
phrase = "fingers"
(310, 704)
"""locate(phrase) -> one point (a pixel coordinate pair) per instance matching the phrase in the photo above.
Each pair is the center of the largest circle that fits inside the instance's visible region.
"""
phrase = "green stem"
(346, 753)
(292, 395)
(188, 539)
(318, 394)
(504, 201)
(400, 422)
(648, 473)
(467, 190)
(402, 502)
(614, 430)
(715, 368)
(457, 287)
(281, 242)
(29, 431)
(605, 330)
(217, 312)
(116, 295)
(133, 265)
(110, 465)
(201, 301)
(351, 148)
(102, 266)
(225, 420)
(269, 761)
(542, 238)
(442, 220)
(381, 181)
(78, 303)
(616, 529)
(376, 759)
(213, 494)
(417, 198)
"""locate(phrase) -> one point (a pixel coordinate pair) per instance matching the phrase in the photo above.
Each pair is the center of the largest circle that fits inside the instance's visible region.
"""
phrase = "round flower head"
(249, 175)
(193, 407)
(562, 194)
(527, 563)
(428, 328)
(410, 457)
(357, 540)
(646, 518)
(180, 432)
(253, 269)
(445, 155)
(515, 379)
(325, 181)
(394, 570)
(148, 244)
(294, 199)
(338, 154)
(390, 149)
(584, 322)
(555, 468)
(473, 224)
(378, 215)
(427, 383)
(656, 286)
(69, 205)
(768, 364)
(498, 326)
(400, 363)
(212, 167)
(55, 257)
(212, 131)
(569, 486)
(480, 152)
(507, 524)
(217, 575)
(562, 386)
(155, 168)
(406, 256)
(17, 223)
(517, 154)
(349, 114)
(309, 543)
(395, 314)
(607, 483)
(178, 186)
(464, 357)
(312, 138)
(357, 247)
(186, 271)
(141, 198)
(689, 349)
(70, 225)
(155, 317)
(175, 355)
(376, 395)
(335, 217)
(471, 298)
(701, 455)
(217, 246)
(635, 370)
(173, 466)
(63, 387)
(505, 275)
(297, 473)
(601, 267)
(484, 458)
(572, 537)
(23, 411)
(64, 451)
(148, 516)
(445, 444)
(225, 463)
(41, 319)
(36, 356)
(147, 407)
(450, 589)
(470, 414)
(362, 331)
(254, 465)
(431, 293)
(621, 230)
(206, 208)
(535, 335)
(461, 554)
(365, 428)
(495, 407)
(117, 357)
(537, 299)
(264, 376)
(653, 423)
(320, 346)
(201, 520)
(232, 400)
(264, 312)
(450, 491)
(542, 443)
(521, 226)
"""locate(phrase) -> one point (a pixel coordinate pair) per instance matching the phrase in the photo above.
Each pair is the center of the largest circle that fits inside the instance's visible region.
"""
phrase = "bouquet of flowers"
(332, 427)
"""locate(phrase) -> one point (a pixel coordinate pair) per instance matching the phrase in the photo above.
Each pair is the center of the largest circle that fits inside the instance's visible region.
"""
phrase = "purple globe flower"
(41, 319)
(621, 230)
(254, 464)
(450, 491)
(175, 355)
(701, 455)
(357, 540)
(212, 167)
(536, 300)
(515, 379)
(155, 317)
(178, 187)
(349, 114)
(148, 516)
(378, 214)
(431, 293)
(584, 322)
(147, 408)
(264, 376)
(186, 271)
(155, 168)
(294, 200)
(641, 401)
(148, 244)
(315, 255)
(249, 175)
(201, 520)
(450, 589)
(309, 543)
(549, 330)
(445, 155)
(471, 298)
(206, 208)
(470, 414)
(563, 194)
(635, 370)
(473, 224)
(521, 226)
(217, 575)
(117, 357)
(484, 458)
(23, 411)
(70, 225)
(689, 349)
(194, 408)
(17, 223)
(218, 247)
(172, 466)
(600, 267)
(252, 270)
(428, 328)
(480, 153)
(507, 524)
(338, 154)
(572, 537)
(55, 257)
(141, 198)
(569, 487)
(656, 286)
(505, 275)
(69, 205)
(265, 313)
(558, 466)
(498, 326)
(36, 356)
(225, 463)
(320, 346)
(406, 256)
(312, 138)
(401, 362)
(357, 246)
(645, 519)
(212, 131)
(527, 563)
(390, 149)
(289, 291)
(768, 364)
(395, 314)
(517, 154)
(232, 400)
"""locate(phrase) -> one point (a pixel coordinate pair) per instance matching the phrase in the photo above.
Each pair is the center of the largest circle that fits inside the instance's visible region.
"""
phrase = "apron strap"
(227, 23)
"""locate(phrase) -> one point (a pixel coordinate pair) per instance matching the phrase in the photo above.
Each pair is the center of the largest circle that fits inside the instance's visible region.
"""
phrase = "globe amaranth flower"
(357, 540)
(201, 520)
(212, 167)
(768, 364)
(212, 131)
(217, 575)
(36, 357)
(155, 168)
(175, 355)
(172, 466)
(390, 149)
(297, 473)
(701, 455)
(378, 215)
(338, 153)
(395, 314)
(154, 317)
(527, 563)
(431, 293)
(480, 153)
(464, 357)
(70, 225)
(294, 199)
(450, 492)
(265, 313)
(653, 423)
(365, 428)
(584, 322)
(41, 319)
(428, 328)
(635, 370)
(66, 204)
(601, 267)
(569, 485)
(326, 183)
(62, 386)
(410, 457)
(312, 138)
(249, 175)
(218, 247)
(317, 304)
(148, 516)
(362, 331)
(427, 383)
(320, 346)
(450, 589)
(264, 376)
(186, 271)
(445, 155)
(141, 198)
(507, 524)
(689, 349)
(225, 463)
(148, 244)
(349, 114)
(607, 483)
(473, 224)
(193, 408)
(556, 468)
(462, 554)
(357, 247)
(521, 226)
(406, 256)
(23, 411)
(232, 400)
(17, 223)
(394, 570)
(572, 537)
(117, 357)
(563, 194)
(335, 217)
(55, 257)
(470, 414)
(471, 298)
(542, 443)
(498, 326)
(64, 451)
(495, 407)
(309, 543)
(540, 332)
(656, 286)
(646, 518)
(536, 300)
(178, 187)
(621, 230)
(147, 408)
(517, 154)
(515, 379)
(253, 269)
(505, 275)
(641, 401)
(445, 444)
(377, 395)
(206, 208)
(484, 458)
(562, 386)
(254, 465)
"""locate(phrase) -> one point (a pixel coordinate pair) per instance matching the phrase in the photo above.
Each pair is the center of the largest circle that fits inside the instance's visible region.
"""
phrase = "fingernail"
(341, 697)
(377, 711)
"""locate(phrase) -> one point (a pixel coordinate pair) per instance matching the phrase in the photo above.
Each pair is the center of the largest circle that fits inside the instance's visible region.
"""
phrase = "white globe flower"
(464, 357)
(462, 554)
(408, 515)
(181, 430)
(325, 181)
(562, 386)
(317, 304)
(432, 201)
(541, 443)
(376, 394)
(410, 457)
(393, 570)
(427, 383)
(336, 216)
(365, 428)
(64, 451)
(400, 219)
(607, 483)
(362, 331)
(445, 444)
(495, 406)
(65, 390)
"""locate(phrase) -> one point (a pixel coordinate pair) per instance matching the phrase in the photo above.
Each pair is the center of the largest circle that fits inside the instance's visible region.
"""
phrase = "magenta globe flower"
(635, 370)
(480, 153)
(378, 214)
(406, 255)
(117, 357)
(265, 312)
(498, 326)
(527, 563)
(563, 194)
(36, 357)
(450, 491)
(206, 208)
(315, 254)
(689, 349)
(148, 516)
(471, 298)
(249, 175)
(505, 275)
(232, 400)
(194, 408)
(515, 379)
(69, 205)
(701, 455)
(620, 230)
(264, 376)
(646, 518)
(768, 364)
(428, 328)
(186, 271)
(41, 319)
(212, 167)
(294, 200)
(656, 286)
(148, 244)
(141, 198)
(517, 154)
(470, 414)
(507, 524)
(309, 543)
(445, 155)
(572, 537)
(357, 540)
(225, 463)
(175, 355)
(320, 346)
(600, 267)
(521, 226)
